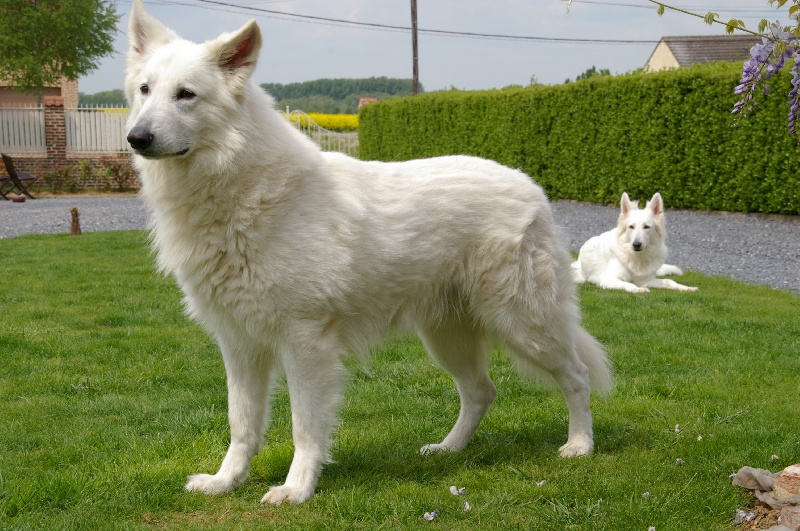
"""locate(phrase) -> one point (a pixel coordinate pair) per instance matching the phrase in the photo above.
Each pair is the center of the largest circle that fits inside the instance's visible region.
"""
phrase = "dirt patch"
(764, 518)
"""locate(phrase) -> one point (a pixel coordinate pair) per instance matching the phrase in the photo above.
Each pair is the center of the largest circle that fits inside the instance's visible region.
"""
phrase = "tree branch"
(706, 19)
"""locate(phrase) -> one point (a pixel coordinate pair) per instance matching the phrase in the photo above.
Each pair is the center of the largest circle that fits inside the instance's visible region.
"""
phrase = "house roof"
(705, 49)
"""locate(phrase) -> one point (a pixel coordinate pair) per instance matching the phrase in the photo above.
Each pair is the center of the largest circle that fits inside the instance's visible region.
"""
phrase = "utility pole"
(415, 82)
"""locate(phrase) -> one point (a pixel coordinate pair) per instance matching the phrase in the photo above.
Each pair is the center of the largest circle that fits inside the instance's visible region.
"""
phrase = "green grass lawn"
(110, 397)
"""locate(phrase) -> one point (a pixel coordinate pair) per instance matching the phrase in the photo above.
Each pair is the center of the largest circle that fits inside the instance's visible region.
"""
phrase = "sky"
(304, 48)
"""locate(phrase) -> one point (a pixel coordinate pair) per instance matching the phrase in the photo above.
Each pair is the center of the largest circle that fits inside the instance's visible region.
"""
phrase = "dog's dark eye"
(631, 226)
(647, 227)
(185, 94)
(145, 90)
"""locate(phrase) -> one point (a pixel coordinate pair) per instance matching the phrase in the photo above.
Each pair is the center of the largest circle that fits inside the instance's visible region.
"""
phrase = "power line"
(444, 33)
(693, 8)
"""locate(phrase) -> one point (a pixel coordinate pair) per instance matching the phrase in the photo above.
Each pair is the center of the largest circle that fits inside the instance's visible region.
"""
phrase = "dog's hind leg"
(554, 354)
(577, 272)
(249, 374)
(669, 270)
(314, 375)
(462, 350)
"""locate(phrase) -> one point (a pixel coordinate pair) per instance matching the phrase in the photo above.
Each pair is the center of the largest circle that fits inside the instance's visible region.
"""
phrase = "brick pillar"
(55, 131)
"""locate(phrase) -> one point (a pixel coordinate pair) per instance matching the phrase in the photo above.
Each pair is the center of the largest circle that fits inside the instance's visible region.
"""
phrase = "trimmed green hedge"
(671, 132)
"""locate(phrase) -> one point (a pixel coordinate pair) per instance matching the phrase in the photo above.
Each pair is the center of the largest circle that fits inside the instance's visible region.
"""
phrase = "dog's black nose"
(140, 139)
(637, 246)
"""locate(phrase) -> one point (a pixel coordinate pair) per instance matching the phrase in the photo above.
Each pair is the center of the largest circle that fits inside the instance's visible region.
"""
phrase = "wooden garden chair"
(16, 180)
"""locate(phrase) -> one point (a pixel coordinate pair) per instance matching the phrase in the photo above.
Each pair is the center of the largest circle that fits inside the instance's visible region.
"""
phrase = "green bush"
(671, 132)
(62, 179)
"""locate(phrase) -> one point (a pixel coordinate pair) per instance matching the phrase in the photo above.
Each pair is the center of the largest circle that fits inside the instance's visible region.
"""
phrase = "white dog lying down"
(291, 257)
(632, 255)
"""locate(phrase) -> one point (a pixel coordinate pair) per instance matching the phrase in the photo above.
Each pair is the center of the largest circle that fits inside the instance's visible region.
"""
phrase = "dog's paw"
(578, 447)
(638, 289)
(209, 484)
(286, 494)
(430, 449)
(692, 288)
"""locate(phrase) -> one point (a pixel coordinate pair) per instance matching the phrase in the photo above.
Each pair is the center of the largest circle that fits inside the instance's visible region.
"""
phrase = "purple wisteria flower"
(794, 94)
(767, 59)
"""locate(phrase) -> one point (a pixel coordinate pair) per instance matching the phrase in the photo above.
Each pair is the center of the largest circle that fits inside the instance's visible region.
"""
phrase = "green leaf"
(733, 24)
(710, 18)
(660, 9)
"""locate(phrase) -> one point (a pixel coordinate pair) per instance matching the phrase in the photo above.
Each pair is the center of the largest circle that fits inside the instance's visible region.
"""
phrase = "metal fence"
(92, 130)
(22, 130)
(327, 140)
(100, 130)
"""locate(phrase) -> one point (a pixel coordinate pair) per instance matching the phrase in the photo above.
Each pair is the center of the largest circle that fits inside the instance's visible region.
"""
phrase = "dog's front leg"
(612, 282)
(249, 374)
(667, 283)
(314, 377)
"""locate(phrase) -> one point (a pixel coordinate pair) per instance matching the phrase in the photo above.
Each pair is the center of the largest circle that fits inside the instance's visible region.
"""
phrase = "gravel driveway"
(749, 247)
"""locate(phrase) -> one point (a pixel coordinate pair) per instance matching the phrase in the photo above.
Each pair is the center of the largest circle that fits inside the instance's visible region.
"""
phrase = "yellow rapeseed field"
(334, 122)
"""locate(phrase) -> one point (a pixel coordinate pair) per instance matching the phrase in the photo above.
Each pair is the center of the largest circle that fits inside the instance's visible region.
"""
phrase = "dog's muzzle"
(140, 138)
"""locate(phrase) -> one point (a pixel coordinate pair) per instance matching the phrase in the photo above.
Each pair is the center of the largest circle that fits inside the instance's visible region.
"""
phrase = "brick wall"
(69, 91)
(57, 158)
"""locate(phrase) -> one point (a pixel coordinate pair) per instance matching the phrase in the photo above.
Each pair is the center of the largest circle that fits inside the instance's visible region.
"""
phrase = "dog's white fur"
(632, 255)
(290, 256)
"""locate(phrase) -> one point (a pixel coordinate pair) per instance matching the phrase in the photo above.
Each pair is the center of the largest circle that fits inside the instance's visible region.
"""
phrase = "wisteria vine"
(767, 59)
(777, 46)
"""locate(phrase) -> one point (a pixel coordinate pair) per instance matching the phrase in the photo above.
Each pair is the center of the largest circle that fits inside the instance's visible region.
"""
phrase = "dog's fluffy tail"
(601, 381)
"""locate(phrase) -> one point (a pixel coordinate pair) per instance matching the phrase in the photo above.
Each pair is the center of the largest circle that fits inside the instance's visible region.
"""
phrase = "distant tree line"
(109, 97)
(328, 96)
(336, 96)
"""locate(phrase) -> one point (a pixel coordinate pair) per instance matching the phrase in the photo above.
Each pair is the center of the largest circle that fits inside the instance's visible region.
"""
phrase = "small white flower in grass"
(467, 507)
(541, 483)
(699, 438)
(774, 457)
(679, 461)
(743, 516)
(455, 491)
(651, 528)
(647, 495)
(677, 428)
(431, 515)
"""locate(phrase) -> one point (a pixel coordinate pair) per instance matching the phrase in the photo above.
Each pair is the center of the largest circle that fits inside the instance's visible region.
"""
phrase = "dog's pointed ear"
(237, 54)
(625, 204)
(656, 204)
(145, 33)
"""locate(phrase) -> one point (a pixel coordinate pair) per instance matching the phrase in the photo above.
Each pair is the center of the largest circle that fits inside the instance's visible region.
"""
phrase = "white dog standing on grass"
(632, 255)
(291, 257)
